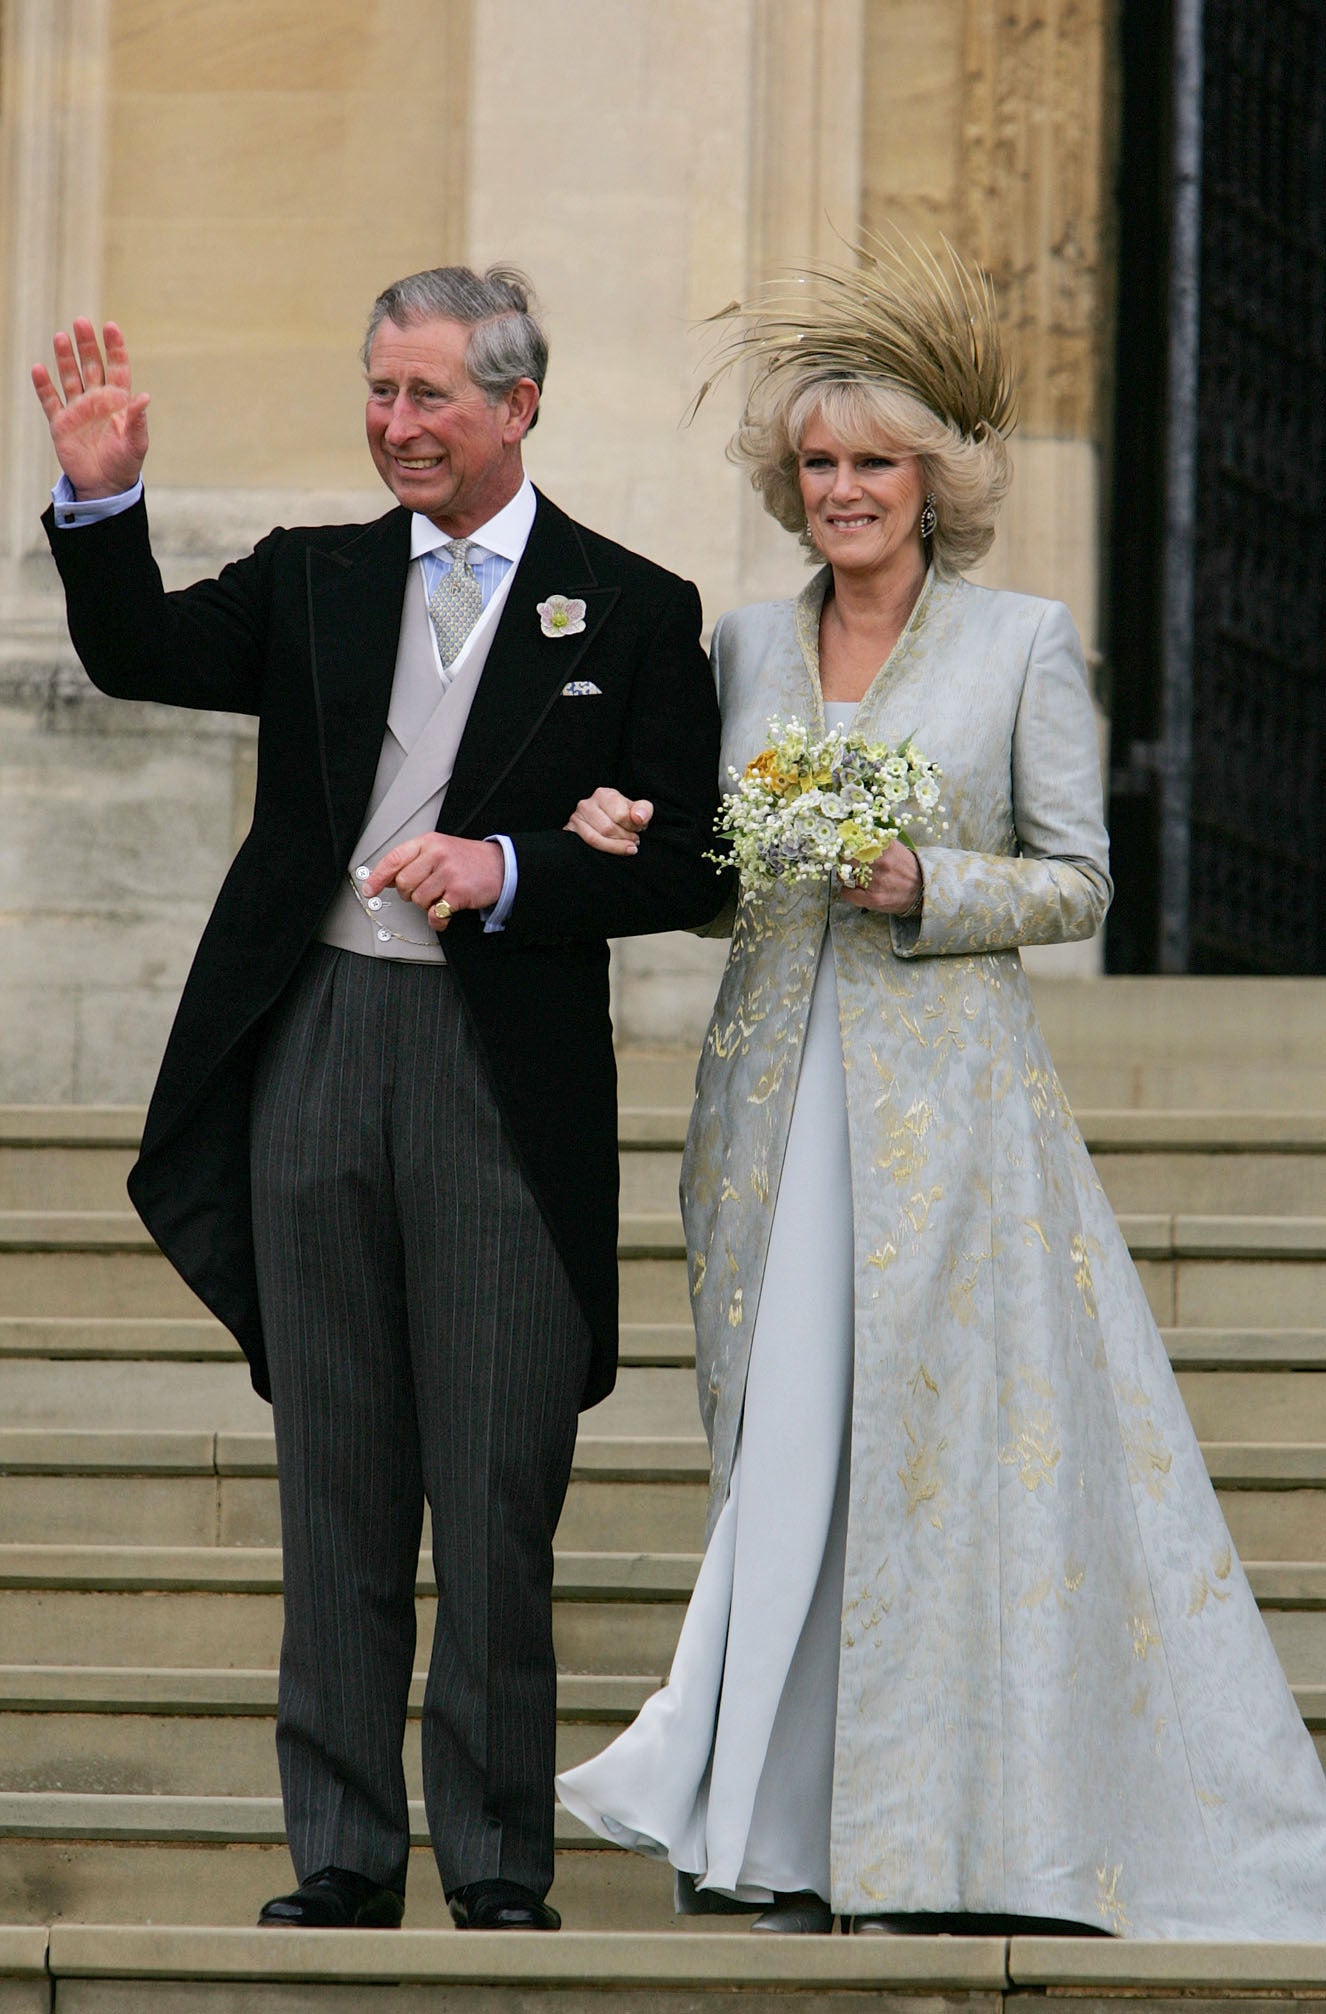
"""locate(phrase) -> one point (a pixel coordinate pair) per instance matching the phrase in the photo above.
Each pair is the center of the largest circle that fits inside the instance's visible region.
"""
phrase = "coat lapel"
(355, 595)
(526, 670)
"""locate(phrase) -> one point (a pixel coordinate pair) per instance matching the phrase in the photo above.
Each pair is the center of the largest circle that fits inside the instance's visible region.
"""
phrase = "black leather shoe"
(334, 1899)
(803, 1913)
(500, 1905)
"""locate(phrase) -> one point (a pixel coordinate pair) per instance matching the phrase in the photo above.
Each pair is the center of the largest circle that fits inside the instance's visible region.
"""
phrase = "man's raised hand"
(98, 423)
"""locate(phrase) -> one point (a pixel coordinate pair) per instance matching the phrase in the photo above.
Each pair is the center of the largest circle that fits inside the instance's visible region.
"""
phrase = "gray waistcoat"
(425, 722)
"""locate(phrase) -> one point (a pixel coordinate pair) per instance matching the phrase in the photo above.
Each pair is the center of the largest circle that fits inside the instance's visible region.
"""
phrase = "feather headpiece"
(902, 317)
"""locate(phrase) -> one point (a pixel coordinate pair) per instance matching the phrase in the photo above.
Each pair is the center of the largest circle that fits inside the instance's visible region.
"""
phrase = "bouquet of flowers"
(804, 809)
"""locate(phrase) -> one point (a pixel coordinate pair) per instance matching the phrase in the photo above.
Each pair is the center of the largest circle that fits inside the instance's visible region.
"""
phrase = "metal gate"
(1238, 766)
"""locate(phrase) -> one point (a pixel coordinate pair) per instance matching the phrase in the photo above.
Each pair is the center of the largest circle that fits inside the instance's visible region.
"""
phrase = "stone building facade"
(233, 180)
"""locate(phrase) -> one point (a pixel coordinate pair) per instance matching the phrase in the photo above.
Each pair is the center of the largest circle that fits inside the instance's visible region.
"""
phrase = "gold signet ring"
(442, 912)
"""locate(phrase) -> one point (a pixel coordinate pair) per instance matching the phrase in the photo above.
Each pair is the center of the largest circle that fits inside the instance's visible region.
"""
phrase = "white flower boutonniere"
(560, 617)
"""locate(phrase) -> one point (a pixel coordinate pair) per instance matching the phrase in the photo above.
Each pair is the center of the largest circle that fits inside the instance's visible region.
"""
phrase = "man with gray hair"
(382, 1146)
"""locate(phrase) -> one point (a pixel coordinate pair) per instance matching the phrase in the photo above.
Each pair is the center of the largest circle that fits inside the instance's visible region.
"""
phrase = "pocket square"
(581, 688)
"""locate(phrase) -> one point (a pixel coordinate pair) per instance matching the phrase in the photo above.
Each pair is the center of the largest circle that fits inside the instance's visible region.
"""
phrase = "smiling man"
(382, 1146)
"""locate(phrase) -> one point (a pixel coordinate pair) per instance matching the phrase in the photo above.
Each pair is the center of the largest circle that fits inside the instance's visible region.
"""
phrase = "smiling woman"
(944, 1658)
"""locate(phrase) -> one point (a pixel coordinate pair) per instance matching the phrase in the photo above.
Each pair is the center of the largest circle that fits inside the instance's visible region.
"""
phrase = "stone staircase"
(140, 1576)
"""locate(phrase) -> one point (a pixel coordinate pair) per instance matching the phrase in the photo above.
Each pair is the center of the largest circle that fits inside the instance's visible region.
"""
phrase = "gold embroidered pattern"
(1034, 1452)
(917, 1208)
(922, 1478)
(1209, 1587)
(1108, 1900)
(855, 1626)
(1080, 1249)
(1144, 1637)
(1149, 1460)
(962, 1293)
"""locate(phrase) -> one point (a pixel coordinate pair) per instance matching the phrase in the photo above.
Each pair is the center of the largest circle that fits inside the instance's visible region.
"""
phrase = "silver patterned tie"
(455, 604)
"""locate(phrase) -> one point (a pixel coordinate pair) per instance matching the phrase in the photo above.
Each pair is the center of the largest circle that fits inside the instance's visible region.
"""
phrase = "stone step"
(124, 1969)
(1247, 1396)
(76, 1158)
(93, 1487)
(195, 1860)
(1198, 1270)
(133, 1285)
(115, 1340)
(642, 1492)
(115, 1731)
(201, 1733)
(116, 1396)
(37, 1389)
(697, 1964)
(220, 1606)
(1187, 1042)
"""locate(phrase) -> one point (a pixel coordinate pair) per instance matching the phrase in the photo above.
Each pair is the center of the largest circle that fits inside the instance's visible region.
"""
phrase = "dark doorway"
(1217, 567)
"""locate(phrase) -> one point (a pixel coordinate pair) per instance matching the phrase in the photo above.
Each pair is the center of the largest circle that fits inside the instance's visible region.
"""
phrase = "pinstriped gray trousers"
(423, 1341)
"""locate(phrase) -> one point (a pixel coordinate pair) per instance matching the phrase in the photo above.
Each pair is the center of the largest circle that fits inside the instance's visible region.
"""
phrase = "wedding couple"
(942, 1659)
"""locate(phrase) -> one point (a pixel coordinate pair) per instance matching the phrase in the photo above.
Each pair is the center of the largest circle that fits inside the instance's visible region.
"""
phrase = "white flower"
(560, 617)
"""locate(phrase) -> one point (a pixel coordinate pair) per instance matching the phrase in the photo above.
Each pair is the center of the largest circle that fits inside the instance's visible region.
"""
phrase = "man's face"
(440, 448)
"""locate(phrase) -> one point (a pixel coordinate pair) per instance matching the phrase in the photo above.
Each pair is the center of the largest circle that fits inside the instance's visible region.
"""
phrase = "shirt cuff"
(495, 918)
(75, 510)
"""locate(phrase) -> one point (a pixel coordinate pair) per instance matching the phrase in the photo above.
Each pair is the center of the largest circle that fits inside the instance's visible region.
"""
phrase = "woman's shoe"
(800, 1914)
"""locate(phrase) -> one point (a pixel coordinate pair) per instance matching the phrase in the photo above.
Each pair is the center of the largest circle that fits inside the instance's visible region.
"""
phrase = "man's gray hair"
(499, 309)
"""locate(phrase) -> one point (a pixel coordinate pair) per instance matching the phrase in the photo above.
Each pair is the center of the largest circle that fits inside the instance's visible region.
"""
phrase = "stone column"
(53, 63)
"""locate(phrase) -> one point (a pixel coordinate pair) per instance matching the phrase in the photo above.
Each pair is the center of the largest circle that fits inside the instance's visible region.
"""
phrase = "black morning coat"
(303, 633)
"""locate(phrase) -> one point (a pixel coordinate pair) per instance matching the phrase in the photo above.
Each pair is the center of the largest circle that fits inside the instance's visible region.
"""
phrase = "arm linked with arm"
(1058, 887)
(567, 889)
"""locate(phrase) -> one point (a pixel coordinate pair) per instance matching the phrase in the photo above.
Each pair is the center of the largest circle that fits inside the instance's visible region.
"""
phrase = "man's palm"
(98, 423)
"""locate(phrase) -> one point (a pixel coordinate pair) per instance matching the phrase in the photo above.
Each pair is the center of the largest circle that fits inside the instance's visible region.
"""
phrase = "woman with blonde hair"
(969, 1640)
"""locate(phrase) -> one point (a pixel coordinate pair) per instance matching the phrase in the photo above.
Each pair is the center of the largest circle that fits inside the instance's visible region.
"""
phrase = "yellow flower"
(768, 767)
(858, 845)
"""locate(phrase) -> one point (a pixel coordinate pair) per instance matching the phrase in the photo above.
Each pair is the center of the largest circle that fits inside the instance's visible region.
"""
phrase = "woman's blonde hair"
(967, 475)
(900, 352)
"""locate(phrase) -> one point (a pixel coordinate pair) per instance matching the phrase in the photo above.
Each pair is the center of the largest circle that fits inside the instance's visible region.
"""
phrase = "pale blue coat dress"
(970, 1634)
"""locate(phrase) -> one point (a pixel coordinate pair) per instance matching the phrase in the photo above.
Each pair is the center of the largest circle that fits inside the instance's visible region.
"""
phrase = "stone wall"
(234, 179)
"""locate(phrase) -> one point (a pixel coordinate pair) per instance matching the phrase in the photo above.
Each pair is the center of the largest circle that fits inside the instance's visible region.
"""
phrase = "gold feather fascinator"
(903, 316)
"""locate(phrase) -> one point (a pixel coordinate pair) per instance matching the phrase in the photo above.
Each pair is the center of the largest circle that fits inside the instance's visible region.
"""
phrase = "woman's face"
(863, 506)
